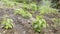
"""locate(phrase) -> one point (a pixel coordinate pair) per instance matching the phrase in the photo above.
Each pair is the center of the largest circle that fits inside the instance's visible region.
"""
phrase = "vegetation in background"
(55, 4)
(9, 3)
(23, 1)
(45, 7)
(39, 23)
(31, 6)
(7, 22)
(46, 10)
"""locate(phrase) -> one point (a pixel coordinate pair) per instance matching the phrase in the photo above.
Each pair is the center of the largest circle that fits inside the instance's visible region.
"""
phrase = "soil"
(24, 26)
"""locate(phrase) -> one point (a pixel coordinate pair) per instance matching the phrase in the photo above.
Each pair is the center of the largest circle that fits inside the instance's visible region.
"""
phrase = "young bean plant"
(23, 13)
(39, 23)
(7, 22)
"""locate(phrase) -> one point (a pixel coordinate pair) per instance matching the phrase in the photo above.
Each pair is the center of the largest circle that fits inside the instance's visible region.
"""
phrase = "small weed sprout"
(39, 23)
